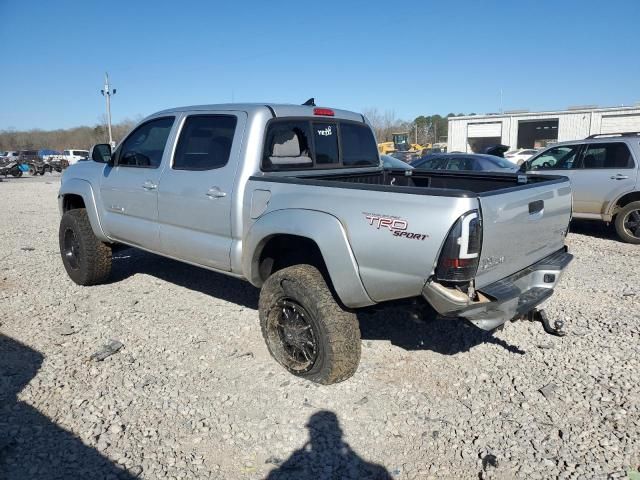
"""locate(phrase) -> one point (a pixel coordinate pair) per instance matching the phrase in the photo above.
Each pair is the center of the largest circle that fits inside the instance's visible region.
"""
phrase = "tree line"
(81, 138)
(422, 130)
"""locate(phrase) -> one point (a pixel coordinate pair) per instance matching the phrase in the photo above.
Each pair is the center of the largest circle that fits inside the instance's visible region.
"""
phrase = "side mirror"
(101, 153)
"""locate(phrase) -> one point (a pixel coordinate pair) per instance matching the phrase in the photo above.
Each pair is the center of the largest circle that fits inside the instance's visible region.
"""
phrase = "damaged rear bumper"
(505, 299)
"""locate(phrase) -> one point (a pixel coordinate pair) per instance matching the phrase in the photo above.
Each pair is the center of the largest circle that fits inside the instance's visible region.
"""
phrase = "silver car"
(604, 177)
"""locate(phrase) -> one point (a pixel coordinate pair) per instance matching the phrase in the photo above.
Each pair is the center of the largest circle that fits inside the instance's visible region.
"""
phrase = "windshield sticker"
(325, 132)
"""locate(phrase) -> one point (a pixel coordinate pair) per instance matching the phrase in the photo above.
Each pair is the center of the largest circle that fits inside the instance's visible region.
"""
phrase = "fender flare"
(83, 188)
(322, 228)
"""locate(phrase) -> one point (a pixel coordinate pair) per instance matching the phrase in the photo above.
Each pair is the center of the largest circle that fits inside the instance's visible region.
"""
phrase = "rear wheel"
(305, 329)
(628, 223)
(86, 259)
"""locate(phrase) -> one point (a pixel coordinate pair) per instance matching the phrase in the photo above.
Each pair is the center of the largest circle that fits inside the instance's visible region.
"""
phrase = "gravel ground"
(191, 391)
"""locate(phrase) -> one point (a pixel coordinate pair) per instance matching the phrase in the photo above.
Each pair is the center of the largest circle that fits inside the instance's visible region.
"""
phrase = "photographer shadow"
(31, 445)
(326, 455)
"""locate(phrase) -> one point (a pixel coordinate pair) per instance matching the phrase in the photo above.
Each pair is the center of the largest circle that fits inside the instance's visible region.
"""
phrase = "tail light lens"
(459, 258)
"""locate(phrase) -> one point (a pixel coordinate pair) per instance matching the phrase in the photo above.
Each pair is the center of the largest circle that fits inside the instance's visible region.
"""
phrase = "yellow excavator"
(400, 143)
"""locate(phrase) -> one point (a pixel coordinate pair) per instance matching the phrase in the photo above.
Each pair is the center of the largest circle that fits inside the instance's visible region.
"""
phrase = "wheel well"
(282, 251)
(627, 199)
(72, 202)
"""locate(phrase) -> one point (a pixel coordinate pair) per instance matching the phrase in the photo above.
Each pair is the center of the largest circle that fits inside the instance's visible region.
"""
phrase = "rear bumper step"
(501, 301)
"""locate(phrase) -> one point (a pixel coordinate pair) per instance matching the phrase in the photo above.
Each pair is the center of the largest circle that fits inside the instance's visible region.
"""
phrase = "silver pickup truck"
(294, 199)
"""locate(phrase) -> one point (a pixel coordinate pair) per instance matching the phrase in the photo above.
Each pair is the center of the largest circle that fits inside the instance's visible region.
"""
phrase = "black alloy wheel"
(298, 346)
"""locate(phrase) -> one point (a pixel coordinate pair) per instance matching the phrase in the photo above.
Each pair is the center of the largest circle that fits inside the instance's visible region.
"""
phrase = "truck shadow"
(440, 335)
(31, 445)
(594, 229)
(130, 261)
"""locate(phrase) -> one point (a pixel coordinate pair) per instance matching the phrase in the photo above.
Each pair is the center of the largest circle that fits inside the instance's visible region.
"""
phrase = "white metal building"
(522, 129)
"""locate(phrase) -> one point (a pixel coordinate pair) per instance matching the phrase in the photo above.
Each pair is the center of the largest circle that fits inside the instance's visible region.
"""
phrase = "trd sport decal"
(397, 226)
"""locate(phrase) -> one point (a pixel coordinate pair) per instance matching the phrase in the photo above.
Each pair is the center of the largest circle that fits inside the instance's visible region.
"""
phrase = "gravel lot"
(193, 392)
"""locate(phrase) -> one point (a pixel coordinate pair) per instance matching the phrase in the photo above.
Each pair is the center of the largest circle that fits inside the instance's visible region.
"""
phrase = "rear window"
(307, 144)
(81, 153)
(607, 155)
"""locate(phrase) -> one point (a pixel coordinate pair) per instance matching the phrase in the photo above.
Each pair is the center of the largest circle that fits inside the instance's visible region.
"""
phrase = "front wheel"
(628, 223)
(86, 259)
(306, 330)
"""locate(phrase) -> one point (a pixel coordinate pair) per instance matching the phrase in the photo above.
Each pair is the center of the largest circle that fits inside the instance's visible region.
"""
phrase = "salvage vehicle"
(34, 162)
(294, 199)
(13, 168)
(605, 178)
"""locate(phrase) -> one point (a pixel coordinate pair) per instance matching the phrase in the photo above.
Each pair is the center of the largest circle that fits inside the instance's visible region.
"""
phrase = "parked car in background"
(604, 177)
(391, 162)
(73, 156)
(520, 155)
(10, 155)
(475, 162)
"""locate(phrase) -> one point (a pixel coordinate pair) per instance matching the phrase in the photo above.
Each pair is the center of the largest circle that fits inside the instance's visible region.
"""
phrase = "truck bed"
(425, 182)
(524, 218)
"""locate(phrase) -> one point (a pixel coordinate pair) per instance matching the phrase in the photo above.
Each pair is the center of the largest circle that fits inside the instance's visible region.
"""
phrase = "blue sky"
(411, 57)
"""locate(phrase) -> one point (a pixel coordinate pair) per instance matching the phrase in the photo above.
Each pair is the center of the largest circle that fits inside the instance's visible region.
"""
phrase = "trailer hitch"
(556, 329)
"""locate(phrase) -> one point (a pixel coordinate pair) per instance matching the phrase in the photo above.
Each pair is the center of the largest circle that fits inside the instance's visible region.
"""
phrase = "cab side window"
(607, 155)
(205, 142)
(144, 147)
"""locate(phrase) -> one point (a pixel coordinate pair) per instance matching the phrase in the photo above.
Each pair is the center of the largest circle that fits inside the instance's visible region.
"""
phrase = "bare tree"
(80, 137)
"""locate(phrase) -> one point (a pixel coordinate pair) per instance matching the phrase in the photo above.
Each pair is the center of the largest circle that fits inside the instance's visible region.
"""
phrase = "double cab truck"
(294, 199)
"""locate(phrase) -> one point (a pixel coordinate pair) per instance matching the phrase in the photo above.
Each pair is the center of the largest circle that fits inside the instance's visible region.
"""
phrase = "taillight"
(324, 112)
(460, 254)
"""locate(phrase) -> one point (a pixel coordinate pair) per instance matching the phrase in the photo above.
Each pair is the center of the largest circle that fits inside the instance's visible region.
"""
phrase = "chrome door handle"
(149, 185)
(215, 192)
(619, 176)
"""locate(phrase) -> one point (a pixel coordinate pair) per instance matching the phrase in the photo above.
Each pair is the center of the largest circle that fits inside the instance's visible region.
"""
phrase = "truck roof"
(277, 110)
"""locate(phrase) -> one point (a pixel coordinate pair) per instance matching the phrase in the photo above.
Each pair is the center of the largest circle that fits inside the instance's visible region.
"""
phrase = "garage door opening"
(537, 133)
(483, 135)
(478, 145)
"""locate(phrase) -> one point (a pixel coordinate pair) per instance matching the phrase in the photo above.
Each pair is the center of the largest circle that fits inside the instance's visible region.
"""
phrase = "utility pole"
(106, 92)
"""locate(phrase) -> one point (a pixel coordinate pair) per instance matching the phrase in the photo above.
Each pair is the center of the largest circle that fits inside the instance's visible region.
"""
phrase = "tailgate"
(522, 226)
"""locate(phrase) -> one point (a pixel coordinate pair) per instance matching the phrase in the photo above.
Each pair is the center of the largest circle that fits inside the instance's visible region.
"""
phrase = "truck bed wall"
(467, 182)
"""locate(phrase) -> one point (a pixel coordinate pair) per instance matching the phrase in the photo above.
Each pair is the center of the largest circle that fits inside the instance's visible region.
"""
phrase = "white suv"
(73, 156)
(604, 174)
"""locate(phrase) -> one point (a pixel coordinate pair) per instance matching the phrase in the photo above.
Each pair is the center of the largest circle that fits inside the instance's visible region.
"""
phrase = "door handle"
(149, 185)
(215, 192)
(619, 176)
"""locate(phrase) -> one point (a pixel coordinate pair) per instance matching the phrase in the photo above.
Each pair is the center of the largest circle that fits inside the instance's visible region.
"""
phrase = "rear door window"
(460, 163)
(606, 155)
(205, 142)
